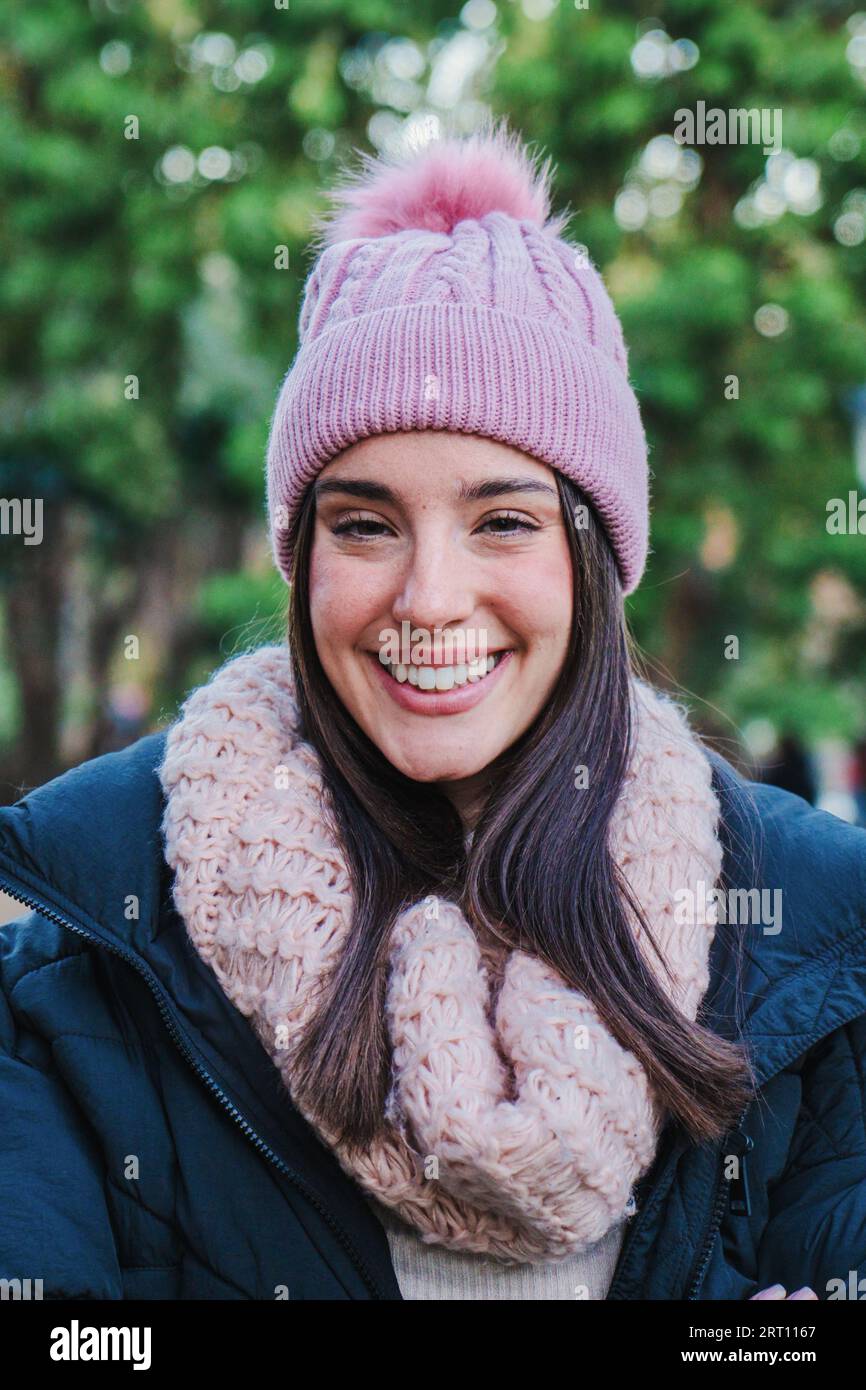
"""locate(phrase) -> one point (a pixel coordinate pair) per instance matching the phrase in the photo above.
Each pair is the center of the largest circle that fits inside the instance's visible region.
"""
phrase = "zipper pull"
(742, 1145)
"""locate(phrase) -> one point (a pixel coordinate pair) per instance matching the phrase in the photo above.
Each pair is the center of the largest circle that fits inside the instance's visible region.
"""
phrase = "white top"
(434, 1272)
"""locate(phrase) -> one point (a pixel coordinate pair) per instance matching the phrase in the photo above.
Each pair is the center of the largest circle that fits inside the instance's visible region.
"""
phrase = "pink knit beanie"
(444, 297)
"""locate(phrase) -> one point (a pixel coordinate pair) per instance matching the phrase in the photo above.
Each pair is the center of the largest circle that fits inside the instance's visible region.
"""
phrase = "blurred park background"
(161, 164)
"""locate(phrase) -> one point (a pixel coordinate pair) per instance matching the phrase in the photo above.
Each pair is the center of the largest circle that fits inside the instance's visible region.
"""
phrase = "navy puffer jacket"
(148, 1148)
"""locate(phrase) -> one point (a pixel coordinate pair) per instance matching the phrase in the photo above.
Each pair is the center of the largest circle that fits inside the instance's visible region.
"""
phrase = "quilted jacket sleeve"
(55, 1225)
(816, 1233)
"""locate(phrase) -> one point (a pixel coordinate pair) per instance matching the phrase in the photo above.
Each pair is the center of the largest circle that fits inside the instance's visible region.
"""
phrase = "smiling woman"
(441, 942)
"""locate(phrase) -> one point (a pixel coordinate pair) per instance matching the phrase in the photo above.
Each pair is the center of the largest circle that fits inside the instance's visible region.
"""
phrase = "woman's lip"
(454, 701)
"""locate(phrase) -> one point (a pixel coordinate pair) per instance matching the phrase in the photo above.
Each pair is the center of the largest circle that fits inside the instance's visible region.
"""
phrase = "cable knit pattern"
(515, 1129)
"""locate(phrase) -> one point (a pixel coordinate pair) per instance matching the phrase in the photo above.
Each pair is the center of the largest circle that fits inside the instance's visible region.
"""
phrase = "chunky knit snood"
(515, 1128)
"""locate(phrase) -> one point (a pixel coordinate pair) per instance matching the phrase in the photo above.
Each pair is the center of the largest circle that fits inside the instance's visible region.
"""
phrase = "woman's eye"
(359, 527)
(507, 524)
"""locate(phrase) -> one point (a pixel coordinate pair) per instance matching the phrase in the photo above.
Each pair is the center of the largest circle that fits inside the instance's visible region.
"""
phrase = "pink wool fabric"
(516, 1124)
(444, 297)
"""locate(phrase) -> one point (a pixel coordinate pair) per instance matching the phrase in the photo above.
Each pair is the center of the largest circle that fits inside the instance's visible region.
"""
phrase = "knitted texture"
(444, 298)
(516, 1126)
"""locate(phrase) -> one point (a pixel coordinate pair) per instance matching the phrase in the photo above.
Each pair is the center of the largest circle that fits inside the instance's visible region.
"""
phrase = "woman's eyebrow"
(495, 487)
(355, 487)
(468, 492)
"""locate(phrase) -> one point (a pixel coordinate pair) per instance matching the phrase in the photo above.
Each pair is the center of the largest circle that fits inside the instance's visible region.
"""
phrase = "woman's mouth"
(441, 689)
(443, 677)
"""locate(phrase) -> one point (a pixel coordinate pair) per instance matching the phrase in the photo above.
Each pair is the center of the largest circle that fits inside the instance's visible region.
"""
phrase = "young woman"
(430, 954)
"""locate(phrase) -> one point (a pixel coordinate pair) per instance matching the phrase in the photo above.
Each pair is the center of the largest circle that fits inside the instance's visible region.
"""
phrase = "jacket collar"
(797, 983)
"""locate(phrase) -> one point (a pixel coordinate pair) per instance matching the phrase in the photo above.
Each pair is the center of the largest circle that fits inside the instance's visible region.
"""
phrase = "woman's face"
(454, 546)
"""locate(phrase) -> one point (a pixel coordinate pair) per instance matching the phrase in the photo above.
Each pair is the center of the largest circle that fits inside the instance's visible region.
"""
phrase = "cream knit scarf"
(515, 1129)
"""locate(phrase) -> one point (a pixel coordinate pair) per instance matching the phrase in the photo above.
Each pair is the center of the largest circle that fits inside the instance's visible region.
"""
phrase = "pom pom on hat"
(447, 181)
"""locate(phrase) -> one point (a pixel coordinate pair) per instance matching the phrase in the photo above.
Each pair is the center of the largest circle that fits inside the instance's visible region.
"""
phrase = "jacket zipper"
(723, 1191)
(741, 1203)
(631, 1231)
(231, 1109)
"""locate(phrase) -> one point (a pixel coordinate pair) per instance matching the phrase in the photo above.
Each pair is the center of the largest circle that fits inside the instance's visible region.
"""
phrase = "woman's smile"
(437, 690)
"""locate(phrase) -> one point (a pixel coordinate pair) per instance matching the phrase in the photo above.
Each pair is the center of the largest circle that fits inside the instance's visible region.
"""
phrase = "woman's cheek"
(343, 599)
(539, 598)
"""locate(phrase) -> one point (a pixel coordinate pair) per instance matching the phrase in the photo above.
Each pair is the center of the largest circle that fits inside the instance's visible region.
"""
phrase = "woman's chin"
(434, 769)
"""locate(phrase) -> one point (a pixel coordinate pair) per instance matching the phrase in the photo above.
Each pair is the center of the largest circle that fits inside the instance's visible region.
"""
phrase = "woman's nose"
(435, 589)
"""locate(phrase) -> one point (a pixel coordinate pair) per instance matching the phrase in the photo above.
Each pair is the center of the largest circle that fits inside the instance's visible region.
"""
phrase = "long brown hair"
(559, 896)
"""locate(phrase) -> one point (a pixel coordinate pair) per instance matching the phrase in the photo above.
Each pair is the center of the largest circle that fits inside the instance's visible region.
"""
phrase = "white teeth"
(442, 677)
